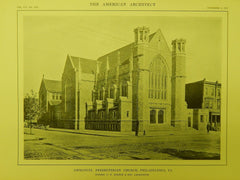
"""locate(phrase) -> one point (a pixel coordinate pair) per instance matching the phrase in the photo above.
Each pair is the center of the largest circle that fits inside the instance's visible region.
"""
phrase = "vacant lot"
(55, 144)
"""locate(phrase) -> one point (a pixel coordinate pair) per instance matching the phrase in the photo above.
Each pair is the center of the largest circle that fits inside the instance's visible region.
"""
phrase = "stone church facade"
(77, 83)
(137, 88)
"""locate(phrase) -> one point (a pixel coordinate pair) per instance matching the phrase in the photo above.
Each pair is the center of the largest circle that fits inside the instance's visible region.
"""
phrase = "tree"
(31, 107)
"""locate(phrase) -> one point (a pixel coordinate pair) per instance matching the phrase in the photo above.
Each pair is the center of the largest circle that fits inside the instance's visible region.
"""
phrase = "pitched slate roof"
(125, 54)
(86, 65)
(53, 85)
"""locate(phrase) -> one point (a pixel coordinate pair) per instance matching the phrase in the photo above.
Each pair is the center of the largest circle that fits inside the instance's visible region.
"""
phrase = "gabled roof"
(53, 85)
(151, 36)
(86, 65)
(160, 35)
(126, 52)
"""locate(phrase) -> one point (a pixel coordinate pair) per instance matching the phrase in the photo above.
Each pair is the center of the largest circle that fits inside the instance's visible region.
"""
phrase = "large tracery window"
(158, 80)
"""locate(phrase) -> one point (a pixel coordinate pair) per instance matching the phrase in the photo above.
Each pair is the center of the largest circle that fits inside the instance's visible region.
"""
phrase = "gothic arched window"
(113, 90)
(152, 116)
(112, 93)
(158, 80)
(100, 94)
(160, 116)
(125, 89)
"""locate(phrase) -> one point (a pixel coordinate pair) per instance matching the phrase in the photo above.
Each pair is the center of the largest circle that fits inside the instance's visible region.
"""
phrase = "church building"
(137, 88)
(140, 87)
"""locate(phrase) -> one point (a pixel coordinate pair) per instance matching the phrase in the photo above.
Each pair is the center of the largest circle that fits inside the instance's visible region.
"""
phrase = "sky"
(48, 39)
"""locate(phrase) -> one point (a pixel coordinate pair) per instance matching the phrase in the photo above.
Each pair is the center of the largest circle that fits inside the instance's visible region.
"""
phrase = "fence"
(103, 125)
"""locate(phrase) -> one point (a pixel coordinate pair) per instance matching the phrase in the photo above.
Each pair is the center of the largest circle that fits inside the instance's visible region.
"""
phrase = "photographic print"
(134, 86)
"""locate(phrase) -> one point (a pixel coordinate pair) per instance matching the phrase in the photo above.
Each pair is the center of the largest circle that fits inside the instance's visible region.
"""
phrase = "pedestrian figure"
(208, 127)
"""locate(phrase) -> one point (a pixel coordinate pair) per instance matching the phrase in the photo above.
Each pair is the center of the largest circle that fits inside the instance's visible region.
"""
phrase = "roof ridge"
(115, 50)
(51, 80)
(82, 58)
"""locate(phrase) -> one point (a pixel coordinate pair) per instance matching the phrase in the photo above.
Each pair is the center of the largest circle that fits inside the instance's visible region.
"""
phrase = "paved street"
(57, 144)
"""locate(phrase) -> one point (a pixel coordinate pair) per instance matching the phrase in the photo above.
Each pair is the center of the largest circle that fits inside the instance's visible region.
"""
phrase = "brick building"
(204, 98)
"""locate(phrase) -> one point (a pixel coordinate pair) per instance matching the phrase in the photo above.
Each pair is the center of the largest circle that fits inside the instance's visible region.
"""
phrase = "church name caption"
(122, 4)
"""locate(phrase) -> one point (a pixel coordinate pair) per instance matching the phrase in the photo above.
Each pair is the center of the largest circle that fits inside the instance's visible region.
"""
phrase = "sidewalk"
(187, 131)
(93, 132)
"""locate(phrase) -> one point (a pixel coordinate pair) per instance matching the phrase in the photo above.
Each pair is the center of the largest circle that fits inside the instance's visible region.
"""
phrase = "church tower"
(140, 79)
(179, 108)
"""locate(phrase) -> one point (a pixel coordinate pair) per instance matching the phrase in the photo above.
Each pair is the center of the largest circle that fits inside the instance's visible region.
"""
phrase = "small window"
(127, 113)
(114, 114)
(100, 94)
(202, 118)
(101, 114)
(53, 97)
(124, 90)
(212, 92)
(210, 104)
(206, 91)
(111, 93)
(179, 46)
(141, 35)
(57, 97)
